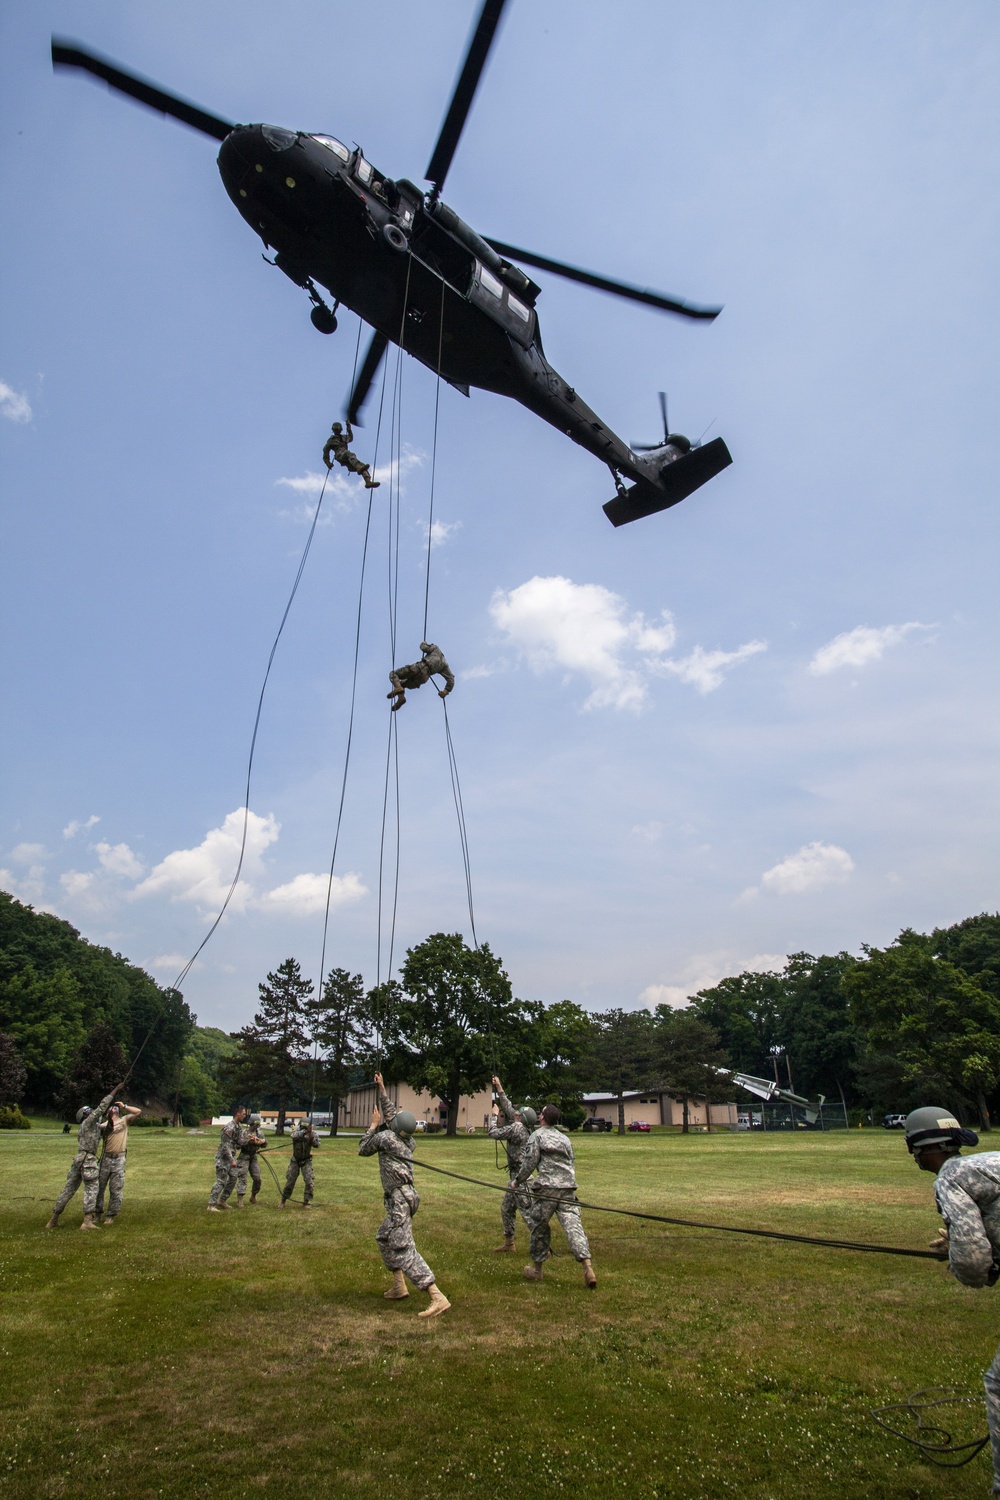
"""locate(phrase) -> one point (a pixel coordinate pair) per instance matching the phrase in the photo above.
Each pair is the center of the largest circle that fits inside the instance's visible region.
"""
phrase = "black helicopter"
(422, 278)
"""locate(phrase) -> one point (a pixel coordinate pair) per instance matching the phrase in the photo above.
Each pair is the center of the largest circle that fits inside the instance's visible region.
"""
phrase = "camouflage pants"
(245, 1165)
(512, 1200)
(291, 1177)
(85, 1170)
(225, 1181)
(567, 1211)
(992, 1384)
(112, 1181)
(394, 1238)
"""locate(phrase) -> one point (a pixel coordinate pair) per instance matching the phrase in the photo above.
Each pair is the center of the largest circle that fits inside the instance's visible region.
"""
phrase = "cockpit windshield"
(333, 145)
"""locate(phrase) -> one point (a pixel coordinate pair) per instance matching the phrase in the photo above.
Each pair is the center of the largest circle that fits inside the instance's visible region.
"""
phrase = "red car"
(640, 1125)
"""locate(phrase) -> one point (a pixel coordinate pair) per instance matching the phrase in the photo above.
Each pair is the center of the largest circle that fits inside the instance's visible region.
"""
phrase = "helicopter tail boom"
(675, 482)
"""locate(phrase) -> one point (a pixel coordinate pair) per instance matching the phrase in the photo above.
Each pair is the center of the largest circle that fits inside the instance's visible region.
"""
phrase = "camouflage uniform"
(84, 1168)
(550, 1153)
(304, 1142)
(515, 1136)
(419, 672)
(230, 1142)
(248, 1165)
(967, 1191)
(111, 1180)
(394, 1235)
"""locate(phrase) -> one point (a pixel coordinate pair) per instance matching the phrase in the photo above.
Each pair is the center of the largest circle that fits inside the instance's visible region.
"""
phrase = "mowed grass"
(183, 1353)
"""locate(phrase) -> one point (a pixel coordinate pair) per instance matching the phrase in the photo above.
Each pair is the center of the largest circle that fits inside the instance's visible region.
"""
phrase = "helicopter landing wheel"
(395, 238)
(324, 319)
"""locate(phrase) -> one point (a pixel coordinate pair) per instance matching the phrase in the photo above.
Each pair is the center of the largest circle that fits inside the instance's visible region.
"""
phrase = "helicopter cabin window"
(363, 170)
(489, 283)
(334, 146)
(518, 308)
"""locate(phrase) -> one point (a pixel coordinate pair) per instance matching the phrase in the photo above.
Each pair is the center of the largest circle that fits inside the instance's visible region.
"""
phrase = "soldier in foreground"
(230, 1144)
(550, 1154)
(84, 1167)
(247, 1163)
(111, 1168)
(394, 1235)
(304, 1142)
(967, 1193)
(418, 672)
(513, 1127)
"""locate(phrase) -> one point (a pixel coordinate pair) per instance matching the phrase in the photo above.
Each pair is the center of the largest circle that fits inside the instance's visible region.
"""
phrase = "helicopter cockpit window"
(518, 307)
(489, 283)
(363, 170)
(334, 146)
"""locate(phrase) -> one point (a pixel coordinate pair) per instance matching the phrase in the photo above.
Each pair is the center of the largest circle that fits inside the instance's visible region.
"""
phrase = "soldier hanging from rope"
(417, 673)
(338, 450)
(513, 1127)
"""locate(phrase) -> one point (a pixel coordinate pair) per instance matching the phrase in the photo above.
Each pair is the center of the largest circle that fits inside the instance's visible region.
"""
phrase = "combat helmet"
(83, 1112)
(403, 1123)
(529, 1116)
(933, 1126)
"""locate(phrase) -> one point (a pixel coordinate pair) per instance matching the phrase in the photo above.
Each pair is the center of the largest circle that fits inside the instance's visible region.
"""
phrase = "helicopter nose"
(237, 154)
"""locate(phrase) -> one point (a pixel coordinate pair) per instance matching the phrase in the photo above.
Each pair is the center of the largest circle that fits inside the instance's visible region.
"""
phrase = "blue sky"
(761, 722)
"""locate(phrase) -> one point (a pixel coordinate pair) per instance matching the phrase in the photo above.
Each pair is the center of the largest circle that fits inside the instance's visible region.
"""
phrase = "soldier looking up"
(419, 672)
(230, 1142)
(394, 1235)
(967, 1193)
(111, 1168)
(338, 450)
(304, 1142)
(550, 1154)
(247, 1163)
(513, 1127)
(84, 1166)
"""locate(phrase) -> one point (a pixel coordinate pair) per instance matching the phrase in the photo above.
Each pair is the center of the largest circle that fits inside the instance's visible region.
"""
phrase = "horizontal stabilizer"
(677, 481)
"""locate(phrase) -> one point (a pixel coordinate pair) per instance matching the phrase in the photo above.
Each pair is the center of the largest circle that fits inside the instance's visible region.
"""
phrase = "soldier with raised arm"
(394, 1236)
(84, 1168)
(550, 1154)
(231, 1141)
(513, 1127)
(431, 663)
(111, 1167)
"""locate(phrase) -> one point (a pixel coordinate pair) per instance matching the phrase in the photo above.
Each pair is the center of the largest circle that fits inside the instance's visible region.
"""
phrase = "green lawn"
(183, 1353)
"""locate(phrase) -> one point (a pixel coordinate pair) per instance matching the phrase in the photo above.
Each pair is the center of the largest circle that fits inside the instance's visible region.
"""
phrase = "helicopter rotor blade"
(464, 92)
(663, 412)
(66, 54)
(369, 369)
(604, 283)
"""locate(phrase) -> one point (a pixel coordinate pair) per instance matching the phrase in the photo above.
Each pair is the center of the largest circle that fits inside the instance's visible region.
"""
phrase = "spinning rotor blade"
(367, 373)
(66, 55)
(465, 90)
(605, 284)
(663, 413)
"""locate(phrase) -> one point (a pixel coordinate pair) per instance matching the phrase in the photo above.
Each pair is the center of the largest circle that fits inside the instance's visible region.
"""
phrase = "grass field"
(183, 1353)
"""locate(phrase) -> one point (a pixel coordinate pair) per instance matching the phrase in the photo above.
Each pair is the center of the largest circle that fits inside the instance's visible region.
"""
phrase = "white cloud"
(441, 531)
(647, 833)
(307, 487)
(704, 972)
(860, 646)
(14, 406)
(171, 963)
(76, 825)
(29, 854)
(118, 859)
(28, 887)
(471, 674)
(77, 882)
(812, 867)
(205, 873)
(586, 628)
(305, 896)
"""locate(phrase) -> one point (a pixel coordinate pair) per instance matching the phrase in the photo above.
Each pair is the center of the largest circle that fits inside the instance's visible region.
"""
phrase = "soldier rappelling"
(338, 450)
(431, 663)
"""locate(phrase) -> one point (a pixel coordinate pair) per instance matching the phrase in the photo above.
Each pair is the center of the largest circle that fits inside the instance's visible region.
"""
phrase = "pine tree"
(336, 1022)
(97, 1066)
(273, 1053)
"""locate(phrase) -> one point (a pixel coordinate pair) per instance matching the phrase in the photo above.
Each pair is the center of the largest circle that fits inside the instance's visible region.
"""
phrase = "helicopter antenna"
(463, 95)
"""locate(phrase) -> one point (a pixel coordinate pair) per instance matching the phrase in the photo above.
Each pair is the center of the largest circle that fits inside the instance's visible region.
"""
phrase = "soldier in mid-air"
(247, 1163)
(967, 1193)
(419, 672)
(230, 1144)
(111, 1168)
(338, 450)
(84, 1167)
(304, 1142)
(513, 1127)
(550, 1154)
(394, 1235)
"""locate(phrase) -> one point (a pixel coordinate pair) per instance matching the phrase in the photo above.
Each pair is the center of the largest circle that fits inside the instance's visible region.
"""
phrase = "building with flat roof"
(356, 1107)
(657, 1107)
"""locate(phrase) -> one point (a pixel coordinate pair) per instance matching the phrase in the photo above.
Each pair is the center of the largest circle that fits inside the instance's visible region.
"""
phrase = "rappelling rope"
(631, 1213)
(914, 1406)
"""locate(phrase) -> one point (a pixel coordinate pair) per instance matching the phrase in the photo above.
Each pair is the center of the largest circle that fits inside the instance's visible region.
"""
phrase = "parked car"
(893, 1122)
(639, 1125)
(597, 1122)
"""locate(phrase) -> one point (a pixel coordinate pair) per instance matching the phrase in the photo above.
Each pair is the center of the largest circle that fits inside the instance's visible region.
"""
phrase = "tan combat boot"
(532, 1272)
(589, 1279)
(53, 1222)
(88, 1222)
(507, 1248)
(281, 1202)
(239, 1200)
(439, 1303)
(398, 1288)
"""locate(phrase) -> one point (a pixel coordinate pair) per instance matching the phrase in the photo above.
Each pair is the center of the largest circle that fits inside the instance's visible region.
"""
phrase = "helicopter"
(411, 268)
